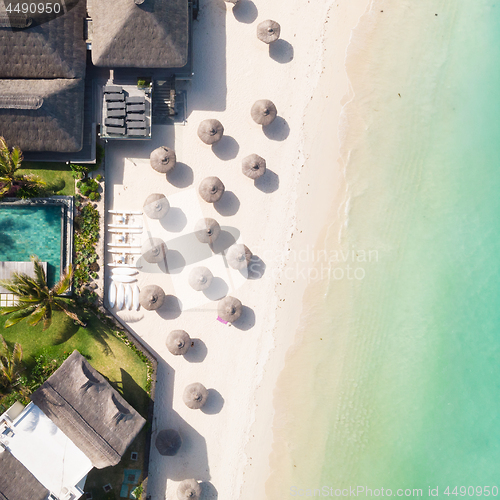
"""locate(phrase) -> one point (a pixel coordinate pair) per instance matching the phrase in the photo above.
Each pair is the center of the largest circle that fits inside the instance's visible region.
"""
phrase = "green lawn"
(108, 354)
(57, 176)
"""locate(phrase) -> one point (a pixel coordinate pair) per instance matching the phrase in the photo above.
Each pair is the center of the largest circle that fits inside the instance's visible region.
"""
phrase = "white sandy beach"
(228, 444)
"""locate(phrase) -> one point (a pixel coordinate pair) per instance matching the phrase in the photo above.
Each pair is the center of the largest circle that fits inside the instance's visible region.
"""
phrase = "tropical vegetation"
(12, 181)
(85, 241)
(35, 301)
(10, 363)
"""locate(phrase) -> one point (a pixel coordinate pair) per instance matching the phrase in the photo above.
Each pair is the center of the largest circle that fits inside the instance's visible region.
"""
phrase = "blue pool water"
(32, 230)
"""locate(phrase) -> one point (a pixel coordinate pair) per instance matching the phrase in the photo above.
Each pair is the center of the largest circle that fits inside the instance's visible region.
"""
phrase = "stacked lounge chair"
(125, 115)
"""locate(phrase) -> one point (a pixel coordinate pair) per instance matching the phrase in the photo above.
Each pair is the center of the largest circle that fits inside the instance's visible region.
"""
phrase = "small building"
(51, 71)
(75, 421)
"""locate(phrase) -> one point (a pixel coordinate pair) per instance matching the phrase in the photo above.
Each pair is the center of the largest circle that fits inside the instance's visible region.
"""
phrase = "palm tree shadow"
(65, 330)
(99, 332)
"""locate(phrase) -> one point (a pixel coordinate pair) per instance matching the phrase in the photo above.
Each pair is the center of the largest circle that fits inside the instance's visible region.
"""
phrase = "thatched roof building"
(53, 49)
(153, 34)
(17, 482)
(42, 115)
(83, 405)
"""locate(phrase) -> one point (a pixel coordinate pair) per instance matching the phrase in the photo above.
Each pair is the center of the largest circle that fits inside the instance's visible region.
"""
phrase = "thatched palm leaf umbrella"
(210, 131)
(253, 166)
(238, 256)
(211, 189)
(229, 309)
(268, 31)
(189, 489)
(195, 396)
(168, 442)
(154, 250)
(178, 342)
(156, 206)
(162, 159)
(151, 297)
(207, 230)
(200, 278)
(264, 112)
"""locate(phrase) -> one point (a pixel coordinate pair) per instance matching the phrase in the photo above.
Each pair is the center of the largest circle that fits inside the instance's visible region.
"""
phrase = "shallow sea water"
(400, 370)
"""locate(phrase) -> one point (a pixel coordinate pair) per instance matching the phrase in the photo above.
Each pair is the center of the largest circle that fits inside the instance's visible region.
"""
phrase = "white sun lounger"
(125, 230)
(117, 264)
(124, 226)
(126, 251)
(124, 245)
(124, 212)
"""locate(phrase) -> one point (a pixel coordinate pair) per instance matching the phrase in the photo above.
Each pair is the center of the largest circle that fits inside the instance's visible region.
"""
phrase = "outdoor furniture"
(136, 125)
(116, 105)
(268, 31)
(136, 99)
(112, 89)
(116, 130)
(210, 131)
(114, 97)
(136, 108)
(116, 113)
(263, 112)
(114, 122)
(139, 132)
(135, 117)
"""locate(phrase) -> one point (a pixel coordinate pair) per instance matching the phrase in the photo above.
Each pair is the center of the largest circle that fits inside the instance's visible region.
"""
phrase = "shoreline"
(322, 169)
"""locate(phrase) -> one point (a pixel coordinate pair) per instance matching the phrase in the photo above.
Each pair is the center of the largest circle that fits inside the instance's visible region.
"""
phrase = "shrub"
(98, 177)
(88, 187)
(28, 192)
(94, 196)
(86, 236)
(45, 365)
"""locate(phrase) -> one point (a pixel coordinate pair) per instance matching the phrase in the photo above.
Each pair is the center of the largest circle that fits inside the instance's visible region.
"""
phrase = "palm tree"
(10, 179)
(10, 363)
(35, 300)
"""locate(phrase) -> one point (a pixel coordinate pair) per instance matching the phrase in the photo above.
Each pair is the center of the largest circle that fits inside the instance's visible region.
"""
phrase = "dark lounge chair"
(135, 99)
(114, 97)
(116, 105)
(136, 108)
(114, 122)
(108, 89)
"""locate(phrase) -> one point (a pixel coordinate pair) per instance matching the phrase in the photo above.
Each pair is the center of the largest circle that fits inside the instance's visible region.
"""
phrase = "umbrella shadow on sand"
(197, 352)
(214, 403)
(246, 320)
(226, 239)
(171, 308)
(255, 270)
(268, 183)
(245, 11)
(174, 221)
(181, 176)
(228, 205)
(278, 130)
(217, 290)
(281, 51)
(226, 149)
(208, 491)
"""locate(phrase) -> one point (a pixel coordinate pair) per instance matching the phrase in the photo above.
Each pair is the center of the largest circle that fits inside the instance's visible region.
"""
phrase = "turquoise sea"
(403, 391)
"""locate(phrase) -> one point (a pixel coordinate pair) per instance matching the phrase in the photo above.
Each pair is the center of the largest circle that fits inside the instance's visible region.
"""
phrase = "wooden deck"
(8, 268)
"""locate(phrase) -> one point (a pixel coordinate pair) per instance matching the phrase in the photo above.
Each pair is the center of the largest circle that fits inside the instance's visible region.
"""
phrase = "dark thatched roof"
(80, 401)
(53, 49)
(153, 34)
(17, 482)
(42, 115)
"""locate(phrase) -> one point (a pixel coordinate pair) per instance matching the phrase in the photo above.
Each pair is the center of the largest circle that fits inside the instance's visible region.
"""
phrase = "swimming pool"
(33, 230)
